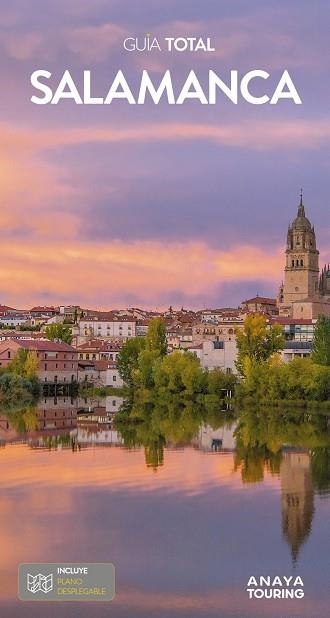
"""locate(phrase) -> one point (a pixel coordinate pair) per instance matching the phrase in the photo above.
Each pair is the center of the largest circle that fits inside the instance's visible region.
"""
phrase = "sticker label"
(50, 581)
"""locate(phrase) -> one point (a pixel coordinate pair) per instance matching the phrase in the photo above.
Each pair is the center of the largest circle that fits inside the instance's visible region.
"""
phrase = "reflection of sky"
(184, 539)
(144, 195)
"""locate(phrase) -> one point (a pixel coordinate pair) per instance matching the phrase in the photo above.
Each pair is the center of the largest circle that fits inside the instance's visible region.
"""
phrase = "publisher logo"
(266, 587)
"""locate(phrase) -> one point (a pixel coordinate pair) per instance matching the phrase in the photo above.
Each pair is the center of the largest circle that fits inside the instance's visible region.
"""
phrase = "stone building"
(303, 294)
(58, 362)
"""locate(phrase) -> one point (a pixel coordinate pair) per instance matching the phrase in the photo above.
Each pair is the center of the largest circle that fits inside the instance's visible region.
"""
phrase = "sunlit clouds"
(151, 205)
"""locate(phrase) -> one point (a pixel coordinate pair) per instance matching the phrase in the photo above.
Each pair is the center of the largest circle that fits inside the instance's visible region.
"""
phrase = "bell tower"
(301, 273)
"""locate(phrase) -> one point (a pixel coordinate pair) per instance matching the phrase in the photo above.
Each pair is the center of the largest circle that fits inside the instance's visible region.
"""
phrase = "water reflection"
(297, 499)
(234, 489)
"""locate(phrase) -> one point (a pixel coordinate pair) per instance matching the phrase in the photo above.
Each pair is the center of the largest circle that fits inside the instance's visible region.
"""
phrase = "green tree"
(59, 332)
(128, 356)
(180, 372)
(31, 365)
(25, 364)
(321, 346)
(156, 337)
(143, 375)
(257, 342)
(18, 363)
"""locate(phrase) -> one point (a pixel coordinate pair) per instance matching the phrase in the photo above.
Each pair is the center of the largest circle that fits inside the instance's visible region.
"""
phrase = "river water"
(186, 522)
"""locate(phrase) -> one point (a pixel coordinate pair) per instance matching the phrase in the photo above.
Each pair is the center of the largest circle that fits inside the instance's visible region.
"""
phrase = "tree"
(257, 342)
(18, 362)
(156, 337)
(25, 364)
(321, 346)
(143, 375)
(59, 332)
(31, 365)
(180, 372)
(128, 356)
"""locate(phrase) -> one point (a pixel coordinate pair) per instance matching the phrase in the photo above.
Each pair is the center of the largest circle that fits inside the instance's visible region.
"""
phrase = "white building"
(102, 373)
(216, 354)
(14, 320)
(101, 327)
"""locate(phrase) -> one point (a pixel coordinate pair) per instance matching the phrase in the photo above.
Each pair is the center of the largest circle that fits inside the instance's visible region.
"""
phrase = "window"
(8, 354)
(292, 263)
(55, 365)
(64, 365)
(45, 366)
(114, 378)
(301, 262)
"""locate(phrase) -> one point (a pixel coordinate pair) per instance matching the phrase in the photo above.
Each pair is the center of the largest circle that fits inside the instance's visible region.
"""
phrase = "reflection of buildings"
(95, 421)
(56, 413)
(297, 498)
(51, 418)
(93, 434)
(108, 405)
(7, 432)
(209, 439)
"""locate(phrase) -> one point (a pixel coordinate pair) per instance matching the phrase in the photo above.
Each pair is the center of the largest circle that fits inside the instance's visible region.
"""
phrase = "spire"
(301, 208)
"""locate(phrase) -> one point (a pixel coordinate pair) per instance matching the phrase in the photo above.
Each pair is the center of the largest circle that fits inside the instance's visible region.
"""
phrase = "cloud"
(22, 46)
(106, 272)
(254, 135)
(94, 43)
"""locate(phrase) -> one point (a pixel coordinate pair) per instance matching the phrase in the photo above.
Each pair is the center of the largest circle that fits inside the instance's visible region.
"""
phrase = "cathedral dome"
(301, 222)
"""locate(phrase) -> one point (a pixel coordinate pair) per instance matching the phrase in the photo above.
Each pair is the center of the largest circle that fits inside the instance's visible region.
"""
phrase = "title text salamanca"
(232, 87)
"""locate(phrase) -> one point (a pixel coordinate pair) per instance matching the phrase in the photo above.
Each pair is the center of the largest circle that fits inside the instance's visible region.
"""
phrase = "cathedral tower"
(301, 273)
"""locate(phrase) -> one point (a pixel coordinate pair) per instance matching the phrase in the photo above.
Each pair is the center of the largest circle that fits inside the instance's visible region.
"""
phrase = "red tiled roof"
(40, 309)
(90, 345)
(111, 347)
(115, 320)
(283, 321)
(4, 309)
(261, 299)
(47, 346)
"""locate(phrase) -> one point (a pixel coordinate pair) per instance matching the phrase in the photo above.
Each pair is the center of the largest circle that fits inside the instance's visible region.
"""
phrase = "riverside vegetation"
(19, 383)
(152, 375)
(266, 379)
